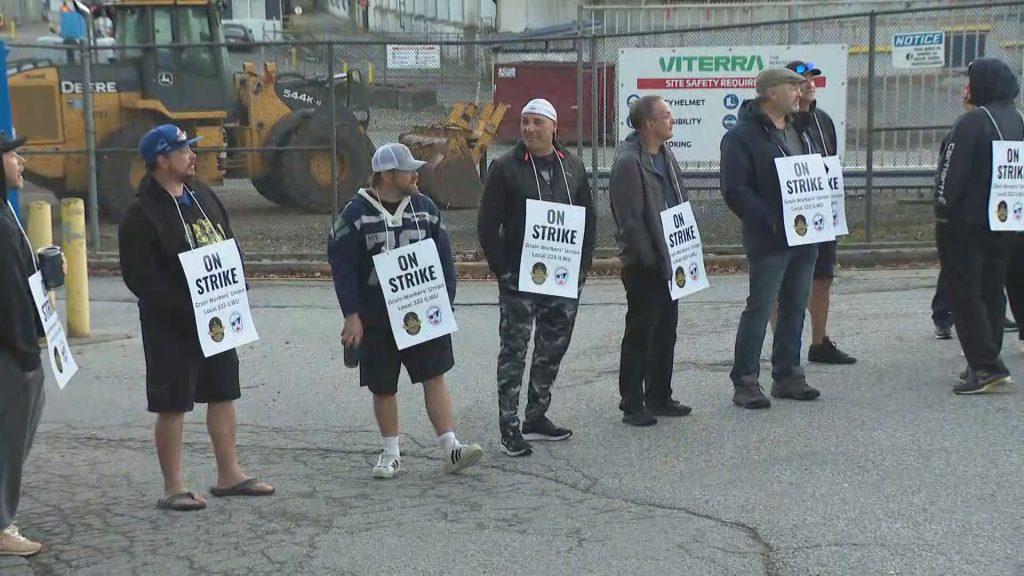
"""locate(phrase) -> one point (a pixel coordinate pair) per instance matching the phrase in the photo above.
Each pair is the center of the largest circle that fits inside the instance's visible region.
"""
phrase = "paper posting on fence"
(685, 251)
(57, 348)
(806, 199)
(415, 293)
(220, 302)
(1006, 196)
(834, 169)
(552, 248)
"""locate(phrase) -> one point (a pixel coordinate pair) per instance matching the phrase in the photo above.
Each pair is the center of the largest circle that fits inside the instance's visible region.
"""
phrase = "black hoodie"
(964, 176)
(151, 236)
(20, 328)
(750, 183)
(820, 129)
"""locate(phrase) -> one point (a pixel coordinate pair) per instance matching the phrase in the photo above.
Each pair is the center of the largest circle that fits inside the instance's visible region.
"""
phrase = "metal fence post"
(579, 80)
(334, 127)
(593, 114)
(869, 166)
(90, 138)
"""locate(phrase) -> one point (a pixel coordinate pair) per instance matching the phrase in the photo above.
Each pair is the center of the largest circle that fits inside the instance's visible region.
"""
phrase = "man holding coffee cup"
(21, 372)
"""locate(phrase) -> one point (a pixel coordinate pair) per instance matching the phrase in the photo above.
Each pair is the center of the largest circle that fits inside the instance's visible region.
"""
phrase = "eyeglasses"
(804, 67)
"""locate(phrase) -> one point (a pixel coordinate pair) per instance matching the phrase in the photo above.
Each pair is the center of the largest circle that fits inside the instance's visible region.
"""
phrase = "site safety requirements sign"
(706, 86)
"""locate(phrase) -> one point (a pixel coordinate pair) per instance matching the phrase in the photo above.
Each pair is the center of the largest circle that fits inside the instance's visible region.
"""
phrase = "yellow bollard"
(295, 58)
(72, 212)
(14, 35)
(344, 68)
(369, 72)
(40, 231)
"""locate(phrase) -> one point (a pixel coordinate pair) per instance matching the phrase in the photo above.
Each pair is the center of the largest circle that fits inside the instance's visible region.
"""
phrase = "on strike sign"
(1006, 196)
(552, 248)
(415, 293)
(220, 302)
(806, 199)
(684, 251)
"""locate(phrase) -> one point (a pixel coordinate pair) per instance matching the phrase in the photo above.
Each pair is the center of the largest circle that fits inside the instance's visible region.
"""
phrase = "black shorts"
(825, 265)
(381, 361)
(178, 376)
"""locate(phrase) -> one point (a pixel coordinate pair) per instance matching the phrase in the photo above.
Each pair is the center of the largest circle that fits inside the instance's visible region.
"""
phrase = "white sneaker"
(12, 543)
(387, 465)
(1020, 343)
(461, 457)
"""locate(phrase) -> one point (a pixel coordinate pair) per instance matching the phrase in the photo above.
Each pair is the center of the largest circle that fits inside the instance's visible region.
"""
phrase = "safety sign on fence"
(919, 50)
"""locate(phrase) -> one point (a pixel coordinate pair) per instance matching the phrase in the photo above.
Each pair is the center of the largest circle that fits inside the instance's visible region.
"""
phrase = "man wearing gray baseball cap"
(778, 272)
(390, 214)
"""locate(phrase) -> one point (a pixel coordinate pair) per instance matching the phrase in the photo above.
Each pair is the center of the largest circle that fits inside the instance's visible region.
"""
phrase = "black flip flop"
(243, 488)
(174, 502)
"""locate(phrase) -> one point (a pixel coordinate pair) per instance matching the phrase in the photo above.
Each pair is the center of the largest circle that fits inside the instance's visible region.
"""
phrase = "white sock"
(448, 443)
(391, 445)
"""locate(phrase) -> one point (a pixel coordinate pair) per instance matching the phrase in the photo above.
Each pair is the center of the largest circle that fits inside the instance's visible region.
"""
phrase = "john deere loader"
(256, 124)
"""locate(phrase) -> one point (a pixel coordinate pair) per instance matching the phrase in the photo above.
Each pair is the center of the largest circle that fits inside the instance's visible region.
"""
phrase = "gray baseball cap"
(394, 157)
(772, 77)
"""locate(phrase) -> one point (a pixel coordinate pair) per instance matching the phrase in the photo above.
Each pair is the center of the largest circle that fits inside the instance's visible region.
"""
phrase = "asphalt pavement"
(888, 473)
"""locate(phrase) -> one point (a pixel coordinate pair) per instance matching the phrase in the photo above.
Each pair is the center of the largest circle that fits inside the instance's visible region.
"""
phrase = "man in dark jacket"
(538, 168)
(822, 131)
(778, 273)
(973, 256)
(645, 181)
(173, 213)
(21, 373)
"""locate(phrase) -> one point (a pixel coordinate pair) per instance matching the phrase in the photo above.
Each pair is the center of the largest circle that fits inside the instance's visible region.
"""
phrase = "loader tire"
(271, 185)
(307, 173)
(120, 169)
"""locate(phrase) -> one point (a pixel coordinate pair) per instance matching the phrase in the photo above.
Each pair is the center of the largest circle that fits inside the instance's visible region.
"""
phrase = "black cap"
(7, 144)
(801, 68)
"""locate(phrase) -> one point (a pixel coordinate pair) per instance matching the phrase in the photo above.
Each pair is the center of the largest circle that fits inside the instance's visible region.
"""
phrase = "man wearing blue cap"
(390, 214)
(173, 213)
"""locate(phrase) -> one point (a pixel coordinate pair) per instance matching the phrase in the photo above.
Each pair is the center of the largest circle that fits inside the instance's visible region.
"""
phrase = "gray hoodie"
(637, 202)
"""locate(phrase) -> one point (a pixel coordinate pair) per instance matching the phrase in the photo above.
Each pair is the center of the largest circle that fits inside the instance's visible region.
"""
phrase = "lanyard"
(188, 236)
(804, 137)
(35, 266)
(821, 133)
(387, 230)
(998, 131)
(536, 176)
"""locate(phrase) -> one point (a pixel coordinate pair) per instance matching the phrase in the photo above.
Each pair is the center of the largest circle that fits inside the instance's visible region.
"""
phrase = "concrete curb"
(715, 264)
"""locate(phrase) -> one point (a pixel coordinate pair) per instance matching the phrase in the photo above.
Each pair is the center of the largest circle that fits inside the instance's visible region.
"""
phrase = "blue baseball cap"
(163, 140)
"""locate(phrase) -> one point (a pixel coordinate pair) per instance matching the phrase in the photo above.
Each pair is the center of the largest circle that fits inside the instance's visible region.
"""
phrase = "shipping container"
(516, 83)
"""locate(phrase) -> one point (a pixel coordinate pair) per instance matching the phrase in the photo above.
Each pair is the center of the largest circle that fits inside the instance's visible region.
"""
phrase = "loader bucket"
(450, 176)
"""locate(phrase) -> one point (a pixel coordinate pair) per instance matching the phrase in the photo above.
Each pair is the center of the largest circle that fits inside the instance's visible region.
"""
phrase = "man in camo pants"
(537, 169)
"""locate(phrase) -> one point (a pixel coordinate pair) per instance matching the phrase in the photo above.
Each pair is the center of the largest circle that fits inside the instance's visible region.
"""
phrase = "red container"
(517, 83)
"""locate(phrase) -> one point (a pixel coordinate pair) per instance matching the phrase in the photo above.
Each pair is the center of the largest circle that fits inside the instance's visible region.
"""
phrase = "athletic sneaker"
(943, 332)
(828, 353)
(544, 429)
(982, 382)
(513, 443)
(12, 543)
(387, 465)
(462, 457)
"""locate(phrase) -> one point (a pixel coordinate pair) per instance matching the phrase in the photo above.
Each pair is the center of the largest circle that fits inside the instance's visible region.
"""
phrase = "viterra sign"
(705, 87)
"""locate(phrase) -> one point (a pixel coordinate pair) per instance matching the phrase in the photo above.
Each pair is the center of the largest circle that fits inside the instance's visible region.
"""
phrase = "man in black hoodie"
(173, 213)
(21, 373)
(778, 272)
(538, 168)
(972, 255)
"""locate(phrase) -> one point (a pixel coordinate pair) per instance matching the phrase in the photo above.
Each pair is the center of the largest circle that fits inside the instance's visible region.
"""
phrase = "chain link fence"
(266, 112)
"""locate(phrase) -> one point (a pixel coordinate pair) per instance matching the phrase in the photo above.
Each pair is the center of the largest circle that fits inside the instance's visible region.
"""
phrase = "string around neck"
(184, 225)
(384, 213)
(536, 176)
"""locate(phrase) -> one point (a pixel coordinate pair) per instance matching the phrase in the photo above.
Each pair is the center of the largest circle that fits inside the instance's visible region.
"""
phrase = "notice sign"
(1006, 197)
(61, 360)
(919, 50)
(705, 87)
(685, 251)
(806, 199)
(415, 293)
(834, 170)
(414, 57)
(552, 248)
(220, 302)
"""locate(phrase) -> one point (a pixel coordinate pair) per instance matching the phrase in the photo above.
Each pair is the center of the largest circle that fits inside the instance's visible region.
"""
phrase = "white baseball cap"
(542, 107)
(394, 157)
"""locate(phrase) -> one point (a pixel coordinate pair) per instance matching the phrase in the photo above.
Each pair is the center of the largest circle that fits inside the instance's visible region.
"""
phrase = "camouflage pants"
(555, 318)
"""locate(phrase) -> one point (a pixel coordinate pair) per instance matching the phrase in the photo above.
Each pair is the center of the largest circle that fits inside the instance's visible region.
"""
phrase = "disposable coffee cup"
(50, 265)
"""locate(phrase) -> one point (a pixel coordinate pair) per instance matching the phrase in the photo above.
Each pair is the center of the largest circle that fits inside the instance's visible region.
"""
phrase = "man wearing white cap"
(541, 188)
(390, 214)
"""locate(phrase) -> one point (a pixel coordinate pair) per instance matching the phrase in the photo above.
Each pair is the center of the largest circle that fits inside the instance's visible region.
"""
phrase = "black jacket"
(501, 220)
(20, 328)
(749, 181)
(964, 176)
(151, 236)
(637, 201)
(819, 128)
